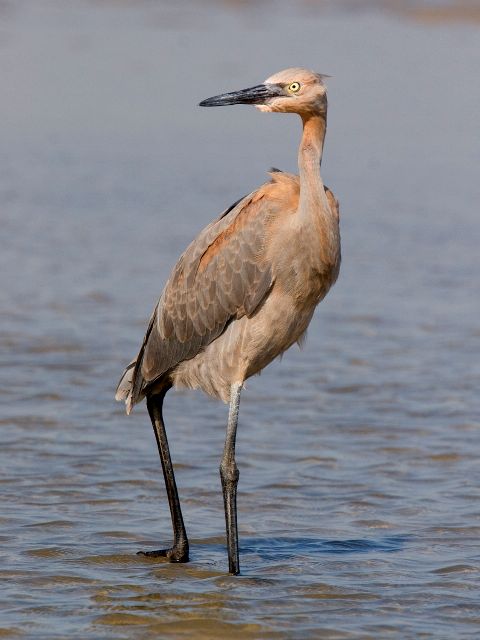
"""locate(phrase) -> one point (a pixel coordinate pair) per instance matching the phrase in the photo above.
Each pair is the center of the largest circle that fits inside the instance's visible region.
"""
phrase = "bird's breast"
(306, 260)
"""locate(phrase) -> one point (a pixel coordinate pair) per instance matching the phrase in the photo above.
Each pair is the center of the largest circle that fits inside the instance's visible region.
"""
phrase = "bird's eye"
(294, 87)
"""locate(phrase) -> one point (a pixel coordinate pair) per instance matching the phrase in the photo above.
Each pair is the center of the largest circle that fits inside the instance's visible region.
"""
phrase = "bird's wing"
(222, 276)
(333, 202)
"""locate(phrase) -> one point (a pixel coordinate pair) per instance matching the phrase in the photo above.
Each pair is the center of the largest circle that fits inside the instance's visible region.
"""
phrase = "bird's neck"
(312, 192)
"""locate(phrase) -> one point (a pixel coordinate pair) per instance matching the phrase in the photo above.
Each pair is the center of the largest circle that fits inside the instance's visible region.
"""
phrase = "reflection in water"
(289, 547)
(358, 455)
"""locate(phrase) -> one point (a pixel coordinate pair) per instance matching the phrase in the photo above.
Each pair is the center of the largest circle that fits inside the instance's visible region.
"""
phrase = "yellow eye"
(294, 87)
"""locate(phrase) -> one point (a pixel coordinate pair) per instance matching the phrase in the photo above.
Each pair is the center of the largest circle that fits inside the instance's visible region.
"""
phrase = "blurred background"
(359, 488)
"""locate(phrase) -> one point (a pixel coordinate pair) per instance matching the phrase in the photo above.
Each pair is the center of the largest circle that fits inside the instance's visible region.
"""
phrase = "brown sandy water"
(359, 456)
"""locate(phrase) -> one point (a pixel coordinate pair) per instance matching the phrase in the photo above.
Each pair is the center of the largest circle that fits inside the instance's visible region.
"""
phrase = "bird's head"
(293, 90)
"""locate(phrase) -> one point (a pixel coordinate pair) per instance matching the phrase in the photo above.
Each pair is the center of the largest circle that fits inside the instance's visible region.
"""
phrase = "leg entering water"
(179, 551)
(229, 474)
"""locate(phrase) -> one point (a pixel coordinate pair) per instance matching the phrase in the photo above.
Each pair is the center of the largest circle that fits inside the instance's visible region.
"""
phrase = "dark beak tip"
(210, 102)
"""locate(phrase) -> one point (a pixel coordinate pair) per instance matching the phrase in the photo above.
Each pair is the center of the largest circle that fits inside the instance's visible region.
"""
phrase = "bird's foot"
(174, 554)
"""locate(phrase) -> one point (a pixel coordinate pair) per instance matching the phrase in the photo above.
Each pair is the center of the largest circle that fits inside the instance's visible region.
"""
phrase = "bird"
(243, 292)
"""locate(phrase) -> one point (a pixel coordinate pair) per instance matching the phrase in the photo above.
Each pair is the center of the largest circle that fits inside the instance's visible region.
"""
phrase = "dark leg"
(229, 474)
(179, 551)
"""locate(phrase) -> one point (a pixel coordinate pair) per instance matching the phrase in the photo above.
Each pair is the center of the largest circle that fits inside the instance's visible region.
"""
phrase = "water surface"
(359, 488)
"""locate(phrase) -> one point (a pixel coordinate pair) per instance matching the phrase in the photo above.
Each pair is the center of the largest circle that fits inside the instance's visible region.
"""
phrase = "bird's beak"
(254, 95)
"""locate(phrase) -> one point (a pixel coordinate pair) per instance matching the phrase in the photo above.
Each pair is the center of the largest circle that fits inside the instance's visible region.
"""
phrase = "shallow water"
(359, 489)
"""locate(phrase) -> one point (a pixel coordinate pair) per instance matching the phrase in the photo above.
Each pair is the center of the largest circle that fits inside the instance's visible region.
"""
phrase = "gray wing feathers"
(220, 277)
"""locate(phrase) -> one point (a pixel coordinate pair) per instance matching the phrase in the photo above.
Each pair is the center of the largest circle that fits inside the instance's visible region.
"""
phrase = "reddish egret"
(243, 292)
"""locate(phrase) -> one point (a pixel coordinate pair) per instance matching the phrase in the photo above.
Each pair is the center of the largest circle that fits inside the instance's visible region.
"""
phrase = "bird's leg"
(229, 474)
(179, 551)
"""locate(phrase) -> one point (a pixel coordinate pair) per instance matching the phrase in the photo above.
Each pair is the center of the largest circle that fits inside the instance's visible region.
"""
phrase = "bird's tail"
(125, 387)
